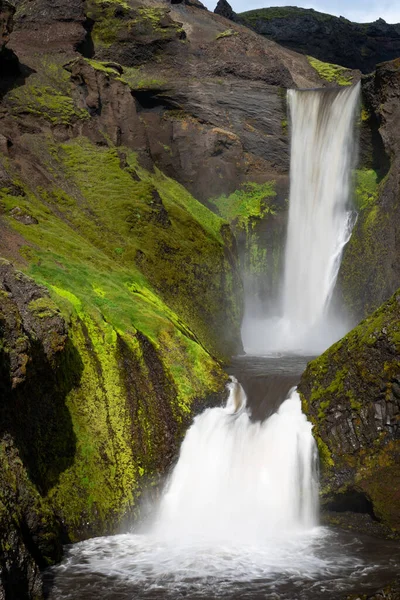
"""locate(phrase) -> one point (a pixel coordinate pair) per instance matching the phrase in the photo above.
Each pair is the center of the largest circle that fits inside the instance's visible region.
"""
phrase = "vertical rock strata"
(352, 395)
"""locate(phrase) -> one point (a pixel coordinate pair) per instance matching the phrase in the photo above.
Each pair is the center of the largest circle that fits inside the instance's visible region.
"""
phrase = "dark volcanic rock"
(48, 26)
(9, 64)
(328, 38)
(224, 9)
(369, 274)
(195, 3)
(351, 394)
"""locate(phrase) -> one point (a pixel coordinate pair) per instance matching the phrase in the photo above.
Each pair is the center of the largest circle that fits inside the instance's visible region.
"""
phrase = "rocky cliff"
(352, 395)
(370, 272)
(326, 37)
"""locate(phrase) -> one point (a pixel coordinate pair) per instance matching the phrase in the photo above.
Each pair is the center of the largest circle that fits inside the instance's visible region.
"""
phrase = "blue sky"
(362, 11)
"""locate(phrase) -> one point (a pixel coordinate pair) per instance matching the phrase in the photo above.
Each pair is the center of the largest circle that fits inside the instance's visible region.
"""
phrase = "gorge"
(144, 168)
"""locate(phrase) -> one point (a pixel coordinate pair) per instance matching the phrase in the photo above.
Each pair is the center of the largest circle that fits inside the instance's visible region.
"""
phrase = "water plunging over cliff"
(236, 520)
(241, 481)
(319, 226)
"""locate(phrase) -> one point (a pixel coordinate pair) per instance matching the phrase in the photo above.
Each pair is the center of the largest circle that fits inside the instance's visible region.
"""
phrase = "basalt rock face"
(352, 395)
(330, 39)
(369, 273)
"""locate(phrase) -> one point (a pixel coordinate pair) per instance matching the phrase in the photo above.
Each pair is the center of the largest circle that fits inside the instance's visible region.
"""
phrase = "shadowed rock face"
(35, 429)
(9, 65)
(330, 39)
(369, 273)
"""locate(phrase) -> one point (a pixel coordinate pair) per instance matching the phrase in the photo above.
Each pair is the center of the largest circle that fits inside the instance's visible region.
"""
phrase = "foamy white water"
(319, 226)
(237, 518)
(242, 482)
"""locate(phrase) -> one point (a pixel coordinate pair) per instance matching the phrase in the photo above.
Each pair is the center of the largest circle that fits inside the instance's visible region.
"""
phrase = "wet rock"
(361, 452)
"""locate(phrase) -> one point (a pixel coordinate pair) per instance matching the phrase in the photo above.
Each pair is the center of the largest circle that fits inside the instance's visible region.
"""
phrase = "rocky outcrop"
(352, 395)
(368, 274)
(188, 72)
(330, 39)
(33, 338)
(224, 9)
(49, 26)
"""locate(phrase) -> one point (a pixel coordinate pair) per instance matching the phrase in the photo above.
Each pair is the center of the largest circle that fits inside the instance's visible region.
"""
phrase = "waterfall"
(319, 226)
(239, 481)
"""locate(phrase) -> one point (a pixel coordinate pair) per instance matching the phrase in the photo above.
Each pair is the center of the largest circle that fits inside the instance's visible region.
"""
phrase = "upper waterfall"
(320, 222)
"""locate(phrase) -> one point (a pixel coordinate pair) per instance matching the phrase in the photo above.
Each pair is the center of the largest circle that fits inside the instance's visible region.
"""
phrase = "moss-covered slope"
(352, 395)
(113, 328)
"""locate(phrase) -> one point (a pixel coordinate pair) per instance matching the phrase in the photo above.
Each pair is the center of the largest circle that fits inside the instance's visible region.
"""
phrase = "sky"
(361, 11)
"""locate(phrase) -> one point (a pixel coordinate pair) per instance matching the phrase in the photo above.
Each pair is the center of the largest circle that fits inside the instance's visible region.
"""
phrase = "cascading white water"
(237, 519)
(242, 481)
(320, 222)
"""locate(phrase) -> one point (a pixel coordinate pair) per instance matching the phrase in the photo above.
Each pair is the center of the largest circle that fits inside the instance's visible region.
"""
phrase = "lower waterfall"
(240, 481)
(238, 519)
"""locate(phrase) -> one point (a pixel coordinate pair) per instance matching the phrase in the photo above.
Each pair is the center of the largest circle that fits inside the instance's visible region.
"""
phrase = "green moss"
(367, 188)
(138, 79)
(330, 72)
(104, 67)
(250, 203)
(110, 18)
(47, 94)
(43, 308)
(325, 456)
(282, 12)
(131, 342)
(226, 33)
(110, 209)
(365, 246)
(44, 101)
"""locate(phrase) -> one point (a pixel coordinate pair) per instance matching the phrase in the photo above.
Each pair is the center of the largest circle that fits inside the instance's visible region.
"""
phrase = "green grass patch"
(330, 72)
(251, 202)
(367, 188)
(227, 33)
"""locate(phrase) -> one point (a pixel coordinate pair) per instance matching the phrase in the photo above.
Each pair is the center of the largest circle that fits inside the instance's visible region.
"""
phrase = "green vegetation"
(139, 270)
(137, 79)
(367, 188)
(331, 73)
(226, 33)
(282, 12)
(110, 17)
(47, 94)
(364, 245)
(115, 19)
(247, 205)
